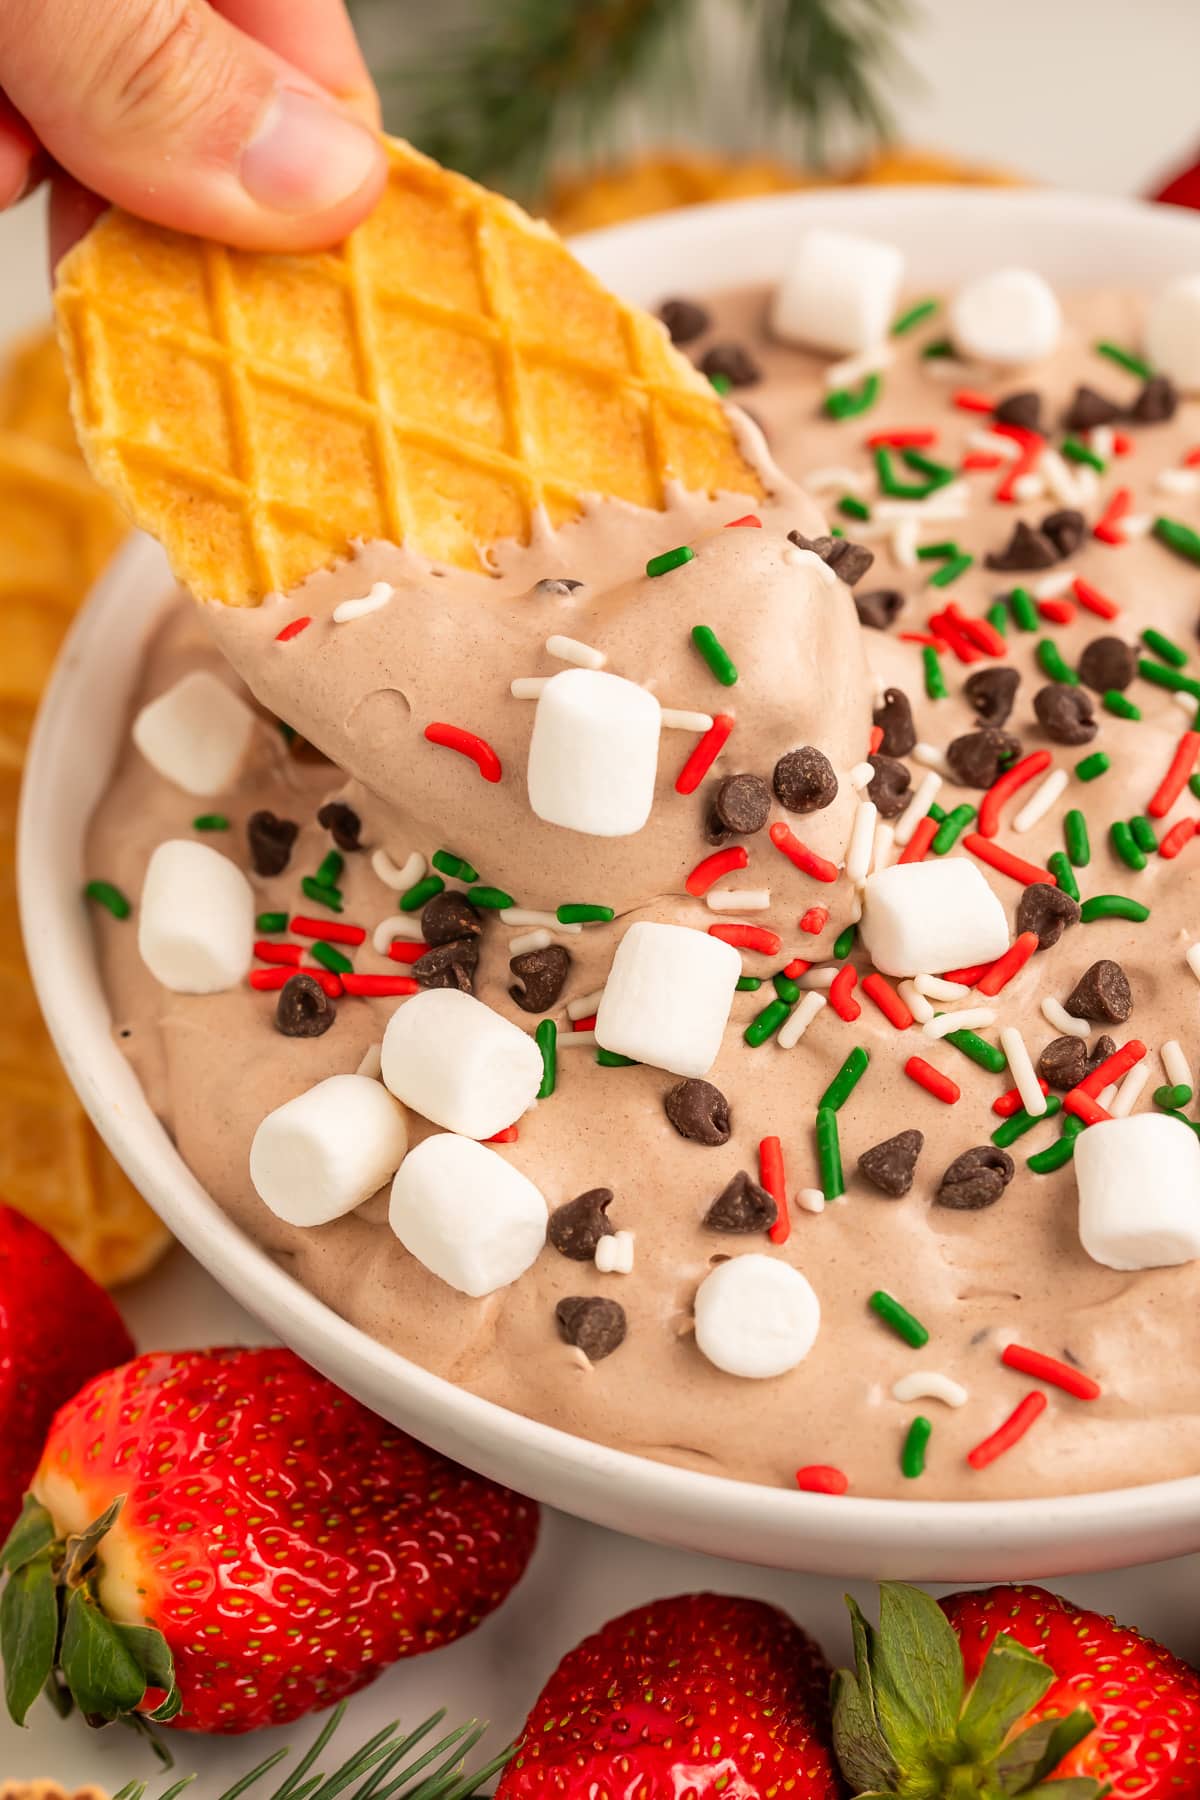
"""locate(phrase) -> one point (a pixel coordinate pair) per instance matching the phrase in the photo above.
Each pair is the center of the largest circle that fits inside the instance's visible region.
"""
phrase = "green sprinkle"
(829, 1154)
(455, 866)
(546, 1039)
(1165, 647)
(749, 984)
(608, 1059)
(766, 1023)
(492, 899)
(1024, 609)
(845, 1081)
(1078, 452)
(1113, 906)
(844, 943)
(271, 922)
(210, 822)
(1143, 834)
(421, 891)
(1194, 784)
(952, 828)
(1071, 1126)
(330, 871)
(934, 552)
(1089, 767)
(939, 347)
(988, 1056)
(845, 403)
(936, 811)
(935, 686)
(853, 508)
(1123, 843)
(580, 913)
(787, 989)
(836, 531)
(670, 559)
(1178, 537)
(1044, 1162)
(111, 898)
(1117, 703)
(1063, 873)
(1172, 1099)
(721, 383)
(715, 654)
(287, 732)
(318, 891)
(1075, 831)
(1124, 359)
(1050, 657)
(912, 1457)
(937, 474)
(899, 1318)
(997, 617)
(890, 482)
(916, 315)
(1184, 1120)
(330, 958)
(950, 571)
(1011, 1129)
(1163, 676)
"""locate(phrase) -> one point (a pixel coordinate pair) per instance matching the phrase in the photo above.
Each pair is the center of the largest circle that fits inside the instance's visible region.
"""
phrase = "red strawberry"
(1012, 1691)
(57, 1328)
(702, 1695)
(284, 1544)
(1183, 189)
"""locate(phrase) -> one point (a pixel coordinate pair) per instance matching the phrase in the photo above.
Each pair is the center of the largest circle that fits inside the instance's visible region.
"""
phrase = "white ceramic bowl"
(947, 233)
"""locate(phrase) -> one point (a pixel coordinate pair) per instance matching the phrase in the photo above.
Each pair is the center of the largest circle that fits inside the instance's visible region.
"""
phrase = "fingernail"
(305, 157)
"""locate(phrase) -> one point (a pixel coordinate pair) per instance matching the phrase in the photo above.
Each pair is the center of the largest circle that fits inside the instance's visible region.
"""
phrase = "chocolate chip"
(895, 719)
(1046, 910)
(742, 804)
(1065, 714)
(304, 1009)
(576, 1227)
(991, 694)
(1156, 403)
(1102, 992)
(889, 786)
(1066, 529)
(1107, 662)
(593, 1325)
(540, 976)
(1089, 409)
(270, 841)
(1023, 410)
(742, 1205)
(556, 584)
(1063, 1063)
(733, 361)
(684, 320)
(848, 561)
(878, 609)
(804, 780)
(976, 1179)
(699, 1112)
(891, 1166)
(1101, 1050)
(448, 917)
(976, 758)
(342, 823)
(449, 965)
(1027, 548)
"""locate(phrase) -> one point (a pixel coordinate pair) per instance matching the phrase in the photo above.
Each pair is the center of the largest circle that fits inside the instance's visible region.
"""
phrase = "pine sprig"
(824, 62)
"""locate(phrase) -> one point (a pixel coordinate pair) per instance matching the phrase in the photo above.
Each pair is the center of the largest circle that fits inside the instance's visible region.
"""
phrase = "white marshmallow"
(839, 294)
(471, 1218)
(756, 1316)
(667, 997)
(1010, 316)
(920, 918)
(593, 756)
(325, 1152)
(196, 919)
(195, 734)
(1139, 1192)
(1173, 332)
(458, 1063)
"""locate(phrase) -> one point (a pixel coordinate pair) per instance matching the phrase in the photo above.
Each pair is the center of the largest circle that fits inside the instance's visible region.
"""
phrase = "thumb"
(167, 109)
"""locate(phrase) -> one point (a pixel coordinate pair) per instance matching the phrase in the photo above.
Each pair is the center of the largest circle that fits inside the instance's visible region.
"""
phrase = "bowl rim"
(948, 1539)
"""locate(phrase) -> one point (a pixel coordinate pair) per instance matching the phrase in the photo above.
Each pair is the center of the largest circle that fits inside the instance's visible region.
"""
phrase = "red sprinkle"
(746, 519)
(887, 1000)
(979, 459)
(921, 637)
(279, 953)
(980, 631)
(1108, 526)
(1094, 600)
(1084, 1107)
(923, 835)
(1006, 966)
(453, 737)
(400, 950)
(704, 755)
(1178, 836)
(1111, 1069)
(1020, 434)
(1005, 786)
(814, 920)
(807, 860)
(330, 931)
(875, 739)
(1011, 1432)
(1059, 612)
(932, 1080)
(748, 937)
(1175, 779)
(293, 629)
(771, 1174)
(1122, 444)
(1011, 1103)
(380, 984)
(796, 968)
(920, 438)
(968, 976)
(970, 400)
(722, 862)
(1048, 1368)
(507, 1136)
(326, 980)
(821, 1478)
(997, 857)
(269, 978)
(948, 631)
(841, 993)
(1192, 459)
(587, 1024)
(1024, 464)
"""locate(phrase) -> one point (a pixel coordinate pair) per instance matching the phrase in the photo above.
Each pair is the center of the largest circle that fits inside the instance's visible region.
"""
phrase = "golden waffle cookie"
(46, 1790)
(439, 381)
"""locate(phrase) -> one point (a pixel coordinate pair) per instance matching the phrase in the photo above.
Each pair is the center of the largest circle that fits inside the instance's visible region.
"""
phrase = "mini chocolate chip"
(448, 917)
(1089, 409)
(1101, 993)
(270, 841)
(742, 804)
(449, 965)
(891, 1165)
(556, 584)
(684, 320)
(976, 1179)
(804, 780)
(304, 1009)
(889, 787)
(1065, 714)
(1107, 662)
(878, 609)
(699, 1112)
(593, 1325)
(1156, 403)
(1066, 529)
(895, 719)
(1027, 548)
(848, 561)
(1101, 1050)
(976, 758)
(1063, 1063)
(991, 694)
(742, 1205)
(1023, 410)
(540, 976)
(342, 823)
(733, 361)
(576, 1227)
(1046, 910)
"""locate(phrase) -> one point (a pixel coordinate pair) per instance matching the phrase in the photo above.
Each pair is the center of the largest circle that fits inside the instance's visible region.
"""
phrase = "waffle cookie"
(444, 380)
(46, 1790)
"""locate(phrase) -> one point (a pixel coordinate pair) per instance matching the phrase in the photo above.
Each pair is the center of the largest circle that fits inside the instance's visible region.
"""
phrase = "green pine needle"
(825, 62)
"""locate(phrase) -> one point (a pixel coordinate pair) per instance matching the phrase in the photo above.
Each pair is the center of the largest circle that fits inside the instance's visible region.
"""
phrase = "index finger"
(315, 36)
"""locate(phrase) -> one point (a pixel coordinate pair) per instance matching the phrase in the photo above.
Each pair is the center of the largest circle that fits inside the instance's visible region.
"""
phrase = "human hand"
(250, 121)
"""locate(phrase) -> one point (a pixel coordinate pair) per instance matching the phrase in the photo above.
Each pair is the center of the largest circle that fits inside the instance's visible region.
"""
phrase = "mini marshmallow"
(593, 756)
(1010, 316)
(614, 1253)
(839, 294)
(1139, 1192)
(459, 1064)
(1173, 332)
(195, 734)
(196, 919)
(471, 1218)
(756, 1316)
(922, 917)
(667, 997)
(322, 1154)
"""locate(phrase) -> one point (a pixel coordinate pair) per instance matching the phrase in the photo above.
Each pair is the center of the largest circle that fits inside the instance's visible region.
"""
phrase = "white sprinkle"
(1136, 525)
(1051, 586)
(393, 877)
(1028, 487)
(885, 844)
(584, 1005)
(1101, 439)
(1060, 479)
(738, 899)
(994, 443)
(853, 369)
(528, 915)
(817, 980)
(1185, 702)
(846, 481)
(971, 1018)
(379, 596)
(948, 369)
(1176, 1064)
(372, 1062)
(576, 1040)
(1041, 800)
(810, 1200)
(1057, 1015)
(1022, 1070)
(949, 502)
(1177, 481)
(614, 1253)
(797, 558)
(529, 940)
(1130, 1088)
(1087, 485)
(570, 650)
(936, 987)
(1106, 1096)
(400, 925)
(915, 1001)
(904, 542)
(930, 1385)
(861, 776)
(798, 1021)
(930, 757)
(918, 806)
(527, 687)
(862, 840)
(673, 719)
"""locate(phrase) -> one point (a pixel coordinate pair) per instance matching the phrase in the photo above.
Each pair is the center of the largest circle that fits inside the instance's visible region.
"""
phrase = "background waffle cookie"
(46, 1790)
(439, 379)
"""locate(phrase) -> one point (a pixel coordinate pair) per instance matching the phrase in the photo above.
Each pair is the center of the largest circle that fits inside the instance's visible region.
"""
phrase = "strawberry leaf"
(1024, 1764)
(1072, 1787)
(859, 1744)
(917, 1669)
(28, 1633)
(1011, 1682)
(101, 1671)
(82, 1546)
(33, 1531)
